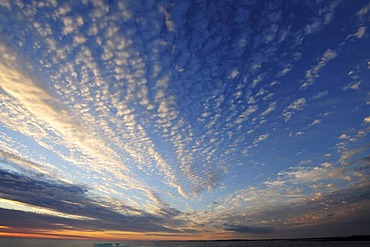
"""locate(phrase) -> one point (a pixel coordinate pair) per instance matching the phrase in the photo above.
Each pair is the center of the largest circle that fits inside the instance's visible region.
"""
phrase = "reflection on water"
(24, 242)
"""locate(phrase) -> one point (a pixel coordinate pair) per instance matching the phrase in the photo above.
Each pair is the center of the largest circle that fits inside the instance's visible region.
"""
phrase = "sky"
(184, 119)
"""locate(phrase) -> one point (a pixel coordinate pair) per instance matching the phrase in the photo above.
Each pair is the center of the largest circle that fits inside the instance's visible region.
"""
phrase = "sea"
(25, 242)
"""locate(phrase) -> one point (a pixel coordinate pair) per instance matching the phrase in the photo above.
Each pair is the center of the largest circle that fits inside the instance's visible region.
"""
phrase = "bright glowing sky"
(184, 119)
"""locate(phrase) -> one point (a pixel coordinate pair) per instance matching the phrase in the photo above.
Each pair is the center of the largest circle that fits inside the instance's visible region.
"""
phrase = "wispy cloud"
(324, 17)
(248, 229)
(295, 106)
(270, 109)
(360, 32)
(261, 138)
(313, 73)
(319, 95)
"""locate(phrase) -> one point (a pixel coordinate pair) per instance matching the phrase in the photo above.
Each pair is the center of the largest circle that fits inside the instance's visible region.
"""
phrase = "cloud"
(285, 71)
(169, 23)
(234, 74)
(346, 154)
(270, 109)
(313, 73)
(69, 200)
(24, 207)
(363, 11)
(310, 213)
(367, 120)
(260, 138)
(352, 85)
(296, 105)
(324, 17)
(244, 115)
(16, 160)
(70, 25)
(153, 110)
(327, 164)
(315, 122)
(44, 118)
(248, 229)
(360, 32)
(36, 104)
(344, 136)
(320, 95)
(294, 200)
(5, 4)
(302, 175)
